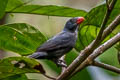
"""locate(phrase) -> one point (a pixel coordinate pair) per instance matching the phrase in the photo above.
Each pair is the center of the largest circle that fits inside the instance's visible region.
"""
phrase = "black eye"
(72, 21)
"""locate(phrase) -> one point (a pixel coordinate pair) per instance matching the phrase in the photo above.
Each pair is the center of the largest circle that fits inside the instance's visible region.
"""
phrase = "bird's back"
(58, 45)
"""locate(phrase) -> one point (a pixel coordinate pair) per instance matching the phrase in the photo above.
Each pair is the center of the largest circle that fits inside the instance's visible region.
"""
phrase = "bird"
(60, 44)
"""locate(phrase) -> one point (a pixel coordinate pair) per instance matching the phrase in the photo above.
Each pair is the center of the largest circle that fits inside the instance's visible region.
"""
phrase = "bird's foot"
(61, 63)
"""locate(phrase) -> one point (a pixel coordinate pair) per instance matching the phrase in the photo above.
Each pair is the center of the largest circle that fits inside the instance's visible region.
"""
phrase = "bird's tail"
(38, 55)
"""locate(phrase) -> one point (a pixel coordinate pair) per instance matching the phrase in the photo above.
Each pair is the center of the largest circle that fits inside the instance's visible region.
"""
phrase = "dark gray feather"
(62, 40)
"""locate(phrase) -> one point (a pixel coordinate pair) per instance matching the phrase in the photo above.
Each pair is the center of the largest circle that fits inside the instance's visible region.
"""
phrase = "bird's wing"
(61, 40)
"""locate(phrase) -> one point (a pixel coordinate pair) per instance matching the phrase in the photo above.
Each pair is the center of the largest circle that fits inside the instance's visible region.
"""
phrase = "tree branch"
(105, 46)
(107, 3)
(106, 66)
(106, 32)
(107, 15)
(111, 27)
(98, 52)
(109, 10)
(84, 54)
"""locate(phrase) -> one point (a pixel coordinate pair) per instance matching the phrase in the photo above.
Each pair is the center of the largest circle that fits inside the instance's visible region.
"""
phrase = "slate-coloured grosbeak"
(60, 44)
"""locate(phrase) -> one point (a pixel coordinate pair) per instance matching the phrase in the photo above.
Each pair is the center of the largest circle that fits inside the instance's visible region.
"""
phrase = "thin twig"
(107, 3)
(106, 66)
(111, 27)
(111, 6)
(87, 51)
(98, 52)
(107, 15)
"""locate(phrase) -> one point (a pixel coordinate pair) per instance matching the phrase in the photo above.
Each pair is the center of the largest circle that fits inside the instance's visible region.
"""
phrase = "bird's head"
(72, 24)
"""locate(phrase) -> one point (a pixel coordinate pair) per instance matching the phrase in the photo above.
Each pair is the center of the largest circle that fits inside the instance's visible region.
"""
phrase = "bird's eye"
(72, 21)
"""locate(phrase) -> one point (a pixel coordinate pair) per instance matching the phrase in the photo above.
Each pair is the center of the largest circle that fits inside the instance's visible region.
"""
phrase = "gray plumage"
(56, 46)
(60, 44)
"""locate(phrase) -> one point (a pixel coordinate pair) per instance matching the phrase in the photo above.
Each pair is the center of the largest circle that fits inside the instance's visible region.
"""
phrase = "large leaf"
(20, 38)
(95, 16)
(18, 65)
(90, 27)
(3, 4)
(85, 36)
(15, 6)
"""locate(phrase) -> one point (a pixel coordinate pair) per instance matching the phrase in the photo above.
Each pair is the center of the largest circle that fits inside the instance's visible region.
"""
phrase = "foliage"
(3, 5)
(23, 38)
(93, 22)
(14, 6)
(16, 66)
(20, 38)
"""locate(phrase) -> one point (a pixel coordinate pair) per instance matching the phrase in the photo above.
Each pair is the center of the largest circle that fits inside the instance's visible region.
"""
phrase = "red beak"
(80, 20)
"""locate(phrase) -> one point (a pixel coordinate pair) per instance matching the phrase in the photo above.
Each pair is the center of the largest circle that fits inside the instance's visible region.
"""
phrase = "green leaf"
(3, 4)
(82, 75)
(20, 38)
(90, 27)
(118, 56)
(15, 6)
(17, 77)
(117, 46)
(110, 57)
(18, 65)
(85, 36)
(96, 15)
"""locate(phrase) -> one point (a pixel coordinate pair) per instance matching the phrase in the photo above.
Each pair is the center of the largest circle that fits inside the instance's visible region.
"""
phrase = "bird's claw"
(61, 63)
